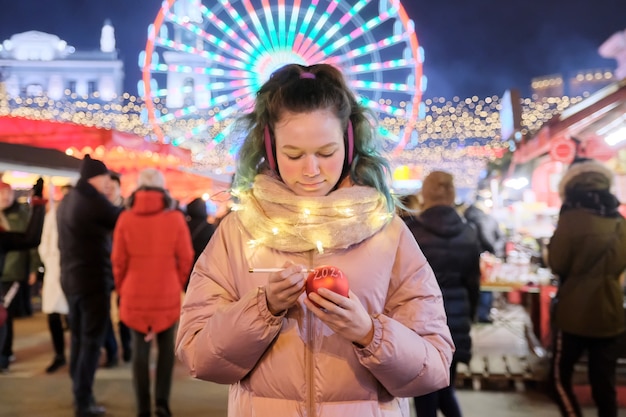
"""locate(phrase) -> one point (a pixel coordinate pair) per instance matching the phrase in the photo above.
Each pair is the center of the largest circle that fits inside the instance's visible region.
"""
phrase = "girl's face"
(310, 151)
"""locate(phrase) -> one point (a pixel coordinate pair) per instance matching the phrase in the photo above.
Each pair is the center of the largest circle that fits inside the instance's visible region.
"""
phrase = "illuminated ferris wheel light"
(206, 63)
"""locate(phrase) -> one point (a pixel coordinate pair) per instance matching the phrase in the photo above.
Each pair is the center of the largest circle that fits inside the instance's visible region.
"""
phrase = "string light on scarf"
(319, 243)
(348, 212)
(279, 219)
(320, 247)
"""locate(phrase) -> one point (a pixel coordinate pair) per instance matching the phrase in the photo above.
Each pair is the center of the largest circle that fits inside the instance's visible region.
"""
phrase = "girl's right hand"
(284, 287)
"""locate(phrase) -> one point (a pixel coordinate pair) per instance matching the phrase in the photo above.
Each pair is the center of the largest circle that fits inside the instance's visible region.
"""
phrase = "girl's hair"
(299, 89)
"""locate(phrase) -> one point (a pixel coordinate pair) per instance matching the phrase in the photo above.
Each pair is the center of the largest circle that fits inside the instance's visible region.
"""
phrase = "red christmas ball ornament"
(329, 277)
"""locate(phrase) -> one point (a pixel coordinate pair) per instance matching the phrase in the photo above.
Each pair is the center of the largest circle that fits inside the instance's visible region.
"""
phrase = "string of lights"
(456, 135)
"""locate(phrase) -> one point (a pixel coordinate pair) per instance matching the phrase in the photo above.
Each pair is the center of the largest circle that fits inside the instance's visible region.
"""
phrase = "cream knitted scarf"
(281, 220)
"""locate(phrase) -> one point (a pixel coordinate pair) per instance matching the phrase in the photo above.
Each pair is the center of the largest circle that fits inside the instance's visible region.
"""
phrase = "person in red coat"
(152, 256)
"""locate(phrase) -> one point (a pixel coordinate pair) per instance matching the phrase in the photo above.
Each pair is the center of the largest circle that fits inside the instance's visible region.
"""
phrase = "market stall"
(122, 152)
(39, 161)
(594, 128)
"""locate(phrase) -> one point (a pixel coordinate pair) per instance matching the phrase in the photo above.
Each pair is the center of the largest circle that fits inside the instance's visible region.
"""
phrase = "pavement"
(28, 391)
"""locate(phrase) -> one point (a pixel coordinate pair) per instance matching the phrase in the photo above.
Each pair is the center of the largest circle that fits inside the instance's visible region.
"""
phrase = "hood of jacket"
(152, 256)
(145, 202)
(474, 214)
(442, 221)
(197, 209)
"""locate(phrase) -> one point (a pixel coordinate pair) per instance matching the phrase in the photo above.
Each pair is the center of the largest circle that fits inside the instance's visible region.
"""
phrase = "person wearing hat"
(86, 219)
(152, 256)
(588, 253)
(452, 248)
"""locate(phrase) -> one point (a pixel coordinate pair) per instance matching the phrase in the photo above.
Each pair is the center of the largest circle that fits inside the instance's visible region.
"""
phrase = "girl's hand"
(283, 288)
(345, 316)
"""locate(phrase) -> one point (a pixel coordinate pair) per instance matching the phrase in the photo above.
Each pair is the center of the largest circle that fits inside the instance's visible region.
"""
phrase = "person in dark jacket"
(114, 194)
(452, 249)
(20, 269)
(492, 240)
(19, 266)
(86, 219)
(588, 253)
(201, 230)
(28, 239)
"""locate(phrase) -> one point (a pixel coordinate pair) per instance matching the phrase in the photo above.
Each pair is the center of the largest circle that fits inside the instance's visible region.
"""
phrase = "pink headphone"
(270, 154)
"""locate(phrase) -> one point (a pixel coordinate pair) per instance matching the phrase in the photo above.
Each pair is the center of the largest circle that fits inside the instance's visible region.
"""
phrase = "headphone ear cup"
(350, 147)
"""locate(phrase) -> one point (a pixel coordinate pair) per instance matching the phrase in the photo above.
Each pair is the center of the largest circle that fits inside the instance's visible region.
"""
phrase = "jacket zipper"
(310, 337)
(310, 388)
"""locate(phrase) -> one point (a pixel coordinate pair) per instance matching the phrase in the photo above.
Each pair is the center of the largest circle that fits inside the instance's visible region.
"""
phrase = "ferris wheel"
(205, 63)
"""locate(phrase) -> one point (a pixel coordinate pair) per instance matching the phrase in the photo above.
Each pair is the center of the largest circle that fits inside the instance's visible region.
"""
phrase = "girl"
(313, 191)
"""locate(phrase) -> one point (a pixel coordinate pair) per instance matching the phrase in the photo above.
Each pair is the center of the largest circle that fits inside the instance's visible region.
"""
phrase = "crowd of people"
(93, 241)
(312, 190)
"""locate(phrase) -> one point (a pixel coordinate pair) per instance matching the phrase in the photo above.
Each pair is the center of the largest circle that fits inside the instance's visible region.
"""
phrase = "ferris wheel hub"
(271, 61)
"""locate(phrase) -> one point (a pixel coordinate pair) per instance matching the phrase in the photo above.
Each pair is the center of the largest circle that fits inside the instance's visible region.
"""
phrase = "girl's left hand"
(345, 316)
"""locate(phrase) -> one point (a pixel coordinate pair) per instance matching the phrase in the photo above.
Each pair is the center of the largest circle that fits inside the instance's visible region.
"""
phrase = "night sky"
(472, 47)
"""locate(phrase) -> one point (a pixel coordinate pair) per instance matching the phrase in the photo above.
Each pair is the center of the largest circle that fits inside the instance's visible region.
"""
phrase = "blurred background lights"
(516, 183)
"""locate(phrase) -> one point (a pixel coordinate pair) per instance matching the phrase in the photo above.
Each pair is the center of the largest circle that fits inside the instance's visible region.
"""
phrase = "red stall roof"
(122, 152)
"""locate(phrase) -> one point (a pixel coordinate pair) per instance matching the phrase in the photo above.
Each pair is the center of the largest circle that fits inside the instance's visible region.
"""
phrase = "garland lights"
(457, 135)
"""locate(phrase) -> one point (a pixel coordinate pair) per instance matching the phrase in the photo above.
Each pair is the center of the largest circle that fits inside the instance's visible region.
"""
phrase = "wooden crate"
(495, 372)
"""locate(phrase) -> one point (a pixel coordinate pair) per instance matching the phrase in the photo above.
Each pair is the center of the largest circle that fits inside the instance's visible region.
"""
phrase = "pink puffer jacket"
(295, 365)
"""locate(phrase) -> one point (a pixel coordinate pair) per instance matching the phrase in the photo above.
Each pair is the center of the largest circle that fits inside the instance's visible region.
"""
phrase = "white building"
(615, 47)
(40, 64)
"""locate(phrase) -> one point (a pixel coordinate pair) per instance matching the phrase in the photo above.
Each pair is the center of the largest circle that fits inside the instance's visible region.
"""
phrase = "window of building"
(188, 92)
(34, 90)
